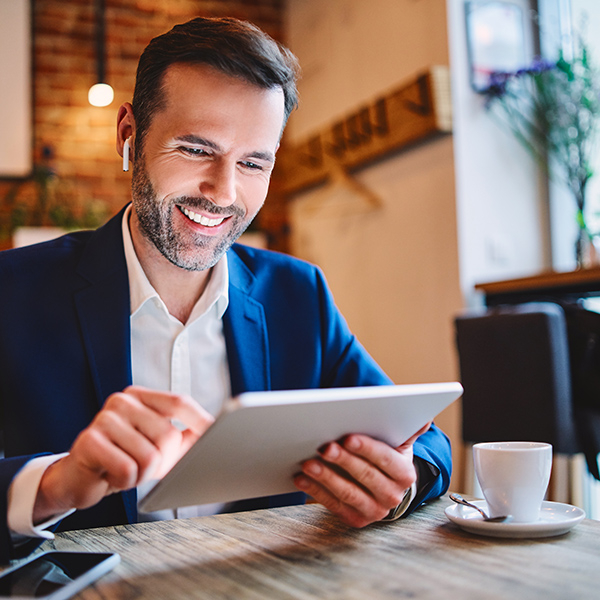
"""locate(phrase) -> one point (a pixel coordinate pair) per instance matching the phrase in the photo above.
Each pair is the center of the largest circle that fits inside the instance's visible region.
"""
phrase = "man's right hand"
(130, 441)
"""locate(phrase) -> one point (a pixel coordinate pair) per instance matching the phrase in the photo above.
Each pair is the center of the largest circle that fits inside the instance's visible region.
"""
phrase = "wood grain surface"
(304, 552)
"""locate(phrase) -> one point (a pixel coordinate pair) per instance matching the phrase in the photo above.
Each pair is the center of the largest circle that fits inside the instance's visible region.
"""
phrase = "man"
(160, 298)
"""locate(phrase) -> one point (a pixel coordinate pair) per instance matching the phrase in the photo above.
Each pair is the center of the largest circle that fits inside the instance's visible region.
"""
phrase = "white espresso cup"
(513, 477)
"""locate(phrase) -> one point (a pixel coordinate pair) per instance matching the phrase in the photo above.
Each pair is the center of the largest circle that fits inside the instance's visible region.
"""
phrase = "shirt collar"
(141, 290)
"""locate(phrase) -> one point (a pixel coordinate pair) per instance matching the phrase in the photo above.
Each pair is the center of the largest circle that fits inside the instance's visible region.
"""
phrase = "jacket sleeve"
(9, 467)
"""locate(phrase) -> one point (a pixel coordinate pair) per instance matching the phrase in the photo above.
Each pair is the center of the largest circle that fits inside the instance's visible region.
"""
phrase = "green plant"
(552, 108)
(45, 199)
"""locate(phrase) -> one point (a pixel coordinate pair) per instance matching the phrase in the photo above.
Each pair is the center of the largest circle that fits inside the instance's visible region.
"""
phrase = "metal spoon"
(460, 500)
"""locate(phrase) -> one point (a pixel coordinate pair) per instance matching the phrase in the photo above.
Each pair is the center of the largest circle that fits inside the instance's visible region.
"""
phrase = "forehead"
(199, 96)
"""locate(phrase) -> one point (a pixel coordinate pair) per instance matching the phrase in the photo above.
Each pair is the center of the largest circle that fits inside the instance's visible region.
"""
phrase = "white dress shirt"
(166, 354)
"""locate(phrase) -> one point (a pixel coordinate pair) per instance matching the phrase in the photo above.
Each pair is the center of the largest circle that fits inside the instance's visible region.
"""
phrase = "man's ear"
(125, 129)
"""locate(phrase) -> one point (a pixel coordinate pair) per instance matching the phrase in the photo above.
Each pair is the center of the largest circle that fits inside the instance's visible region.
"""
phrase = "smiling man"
(201, 175)
(119, 347)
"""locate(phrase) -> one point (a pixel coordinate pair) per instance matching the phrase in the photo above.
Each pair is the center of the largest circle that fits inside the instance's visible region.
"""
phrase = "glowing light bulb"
(101, 94)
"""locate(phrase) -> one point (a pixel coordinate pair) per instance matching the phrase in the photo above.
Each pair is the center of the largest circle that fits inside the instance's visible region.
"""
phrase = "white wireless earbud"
(126, 155)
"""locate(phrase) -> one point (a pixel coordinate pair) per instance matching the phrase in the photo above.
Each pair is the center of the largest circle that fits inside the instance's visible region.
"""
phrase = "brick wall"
(81, 138)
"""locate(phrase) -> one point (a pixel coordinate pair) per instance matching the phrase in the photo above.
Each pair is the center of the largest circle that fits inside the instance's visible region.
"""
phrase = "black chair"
(515, 370)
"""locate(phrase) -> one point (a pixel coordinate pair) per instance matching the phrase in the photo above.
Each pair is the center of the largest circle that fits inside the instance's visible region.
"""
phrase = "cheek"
(254, 194)
(170, 179)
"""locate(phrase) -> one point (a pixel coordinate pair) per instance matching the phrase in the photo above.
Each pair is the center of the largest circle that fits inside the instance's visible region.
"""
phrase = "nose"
(218, 183)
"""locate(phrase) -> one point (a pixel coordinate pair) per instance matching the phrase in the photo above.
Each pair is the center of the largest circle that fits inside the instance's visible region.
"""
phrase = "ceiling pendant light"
(100, 94)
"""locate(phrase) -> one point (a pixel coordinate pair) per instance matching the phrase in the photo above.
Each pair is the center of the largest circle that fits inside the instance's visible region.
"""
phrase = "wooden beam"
(417, 110)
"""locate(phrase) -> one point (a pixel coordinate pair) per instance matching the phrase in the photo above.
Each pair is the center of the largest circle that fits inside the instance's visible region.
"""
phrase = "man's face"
(206, 164)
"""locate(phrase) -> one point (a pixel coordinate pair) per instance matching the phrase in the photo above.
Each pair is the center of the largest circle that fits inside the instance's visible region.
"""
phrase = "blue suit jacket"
(65, 347)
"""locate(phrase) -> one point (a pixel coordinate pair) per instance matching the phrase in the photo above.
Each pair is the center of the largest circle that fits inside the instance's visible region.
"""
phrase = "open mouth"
(201, 219)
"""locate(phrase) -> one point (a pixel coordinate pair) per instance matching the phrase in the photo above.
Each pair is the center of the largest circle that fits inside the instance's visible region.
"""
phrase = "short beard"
(156, 223)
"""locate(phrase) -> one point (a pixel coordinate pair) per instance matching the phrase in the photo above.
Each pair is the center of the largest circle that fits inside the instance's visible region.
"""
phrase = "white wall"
(352, 50)
(394, 269)
(15, 88)
(501, 201)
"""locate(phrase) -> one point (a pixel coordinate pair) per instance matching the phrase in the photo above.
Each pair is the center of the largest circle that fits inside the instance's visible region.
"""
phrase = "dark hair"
(236, 48)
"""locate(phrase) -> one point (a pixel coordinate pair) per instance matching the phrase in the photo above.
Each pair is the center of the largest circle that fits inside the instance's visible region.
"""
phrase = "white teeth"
(200, 219)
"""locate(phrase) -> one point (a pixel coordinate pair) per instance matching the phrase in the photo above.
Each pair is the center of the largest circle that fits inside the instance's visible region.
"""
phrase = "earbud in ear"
(126, 155)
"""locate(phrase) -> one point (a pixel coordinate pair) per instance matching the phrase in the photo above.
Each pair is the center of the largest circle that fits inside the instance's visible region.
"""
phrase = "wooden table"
(304, 552)
(551, 285)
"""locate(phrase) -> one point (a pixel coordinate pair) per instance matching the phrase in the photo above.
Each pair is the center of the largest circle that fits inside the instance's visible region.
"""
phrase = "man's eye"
(192, 151)
(251, 165)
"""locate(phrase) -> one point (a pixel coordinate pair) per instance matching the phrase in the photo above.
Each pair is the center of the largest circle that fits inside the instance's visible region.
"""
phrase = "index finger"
(174, 406)
(380, 454)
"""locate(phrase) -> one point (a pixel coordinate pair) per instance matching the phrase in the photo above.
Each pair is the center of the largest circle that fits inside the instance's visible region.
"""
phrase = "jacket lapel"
(245, 330)
(103, 308)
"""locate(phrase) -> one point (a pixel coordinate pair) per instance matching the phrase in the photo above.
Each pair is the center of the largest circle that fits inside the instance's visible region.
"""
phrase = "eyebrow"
(199, 141)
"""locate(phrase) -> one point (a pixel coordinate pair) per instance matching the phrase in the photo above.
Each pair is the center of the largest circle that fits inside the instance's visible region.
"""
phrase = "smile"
(200, 219)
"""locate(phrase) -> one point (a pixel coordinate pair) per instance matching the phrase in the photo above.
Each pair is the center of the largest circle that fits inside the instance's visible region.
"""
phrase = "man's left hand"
(358, 478)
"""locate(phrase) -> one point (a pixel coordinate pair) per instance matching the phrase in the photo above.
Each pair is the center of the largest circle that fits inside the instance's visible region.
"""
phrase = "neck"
(179, 289)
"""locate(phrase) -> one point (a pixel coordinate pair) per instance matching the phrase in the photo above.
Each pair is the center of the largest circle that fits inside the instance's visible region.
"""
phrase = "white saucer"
(555, 519)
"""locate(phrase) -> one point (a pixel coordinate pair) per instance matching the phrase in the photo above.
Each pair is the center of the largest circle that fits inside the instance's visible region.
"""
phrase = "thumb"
(413, 438)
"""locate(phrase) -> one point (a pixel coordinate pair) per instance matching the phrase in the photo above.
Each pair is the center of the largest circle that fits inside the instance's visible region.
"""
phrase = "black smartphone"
(55, 575)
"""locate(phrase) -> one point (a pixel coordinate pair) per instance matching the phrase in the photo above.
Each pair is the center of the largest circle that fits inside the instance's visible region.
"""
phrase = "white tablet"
(256, 446)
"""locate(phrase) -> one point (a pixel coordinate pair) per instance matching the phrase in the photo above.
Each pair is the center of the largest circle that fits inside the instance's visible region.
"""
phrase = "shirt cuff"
(21, 499)
(397, 512)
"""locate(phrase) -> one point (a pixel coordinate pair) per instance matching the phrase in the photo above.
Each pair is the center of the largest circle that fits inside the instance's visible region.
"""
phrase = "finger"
(98, 467)
(348, 513)
(125, 419)
(346, 490)
(128, 408)
(396, 465)
(148, 439)
(174, 406)
(388, 491)
(171, 456)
